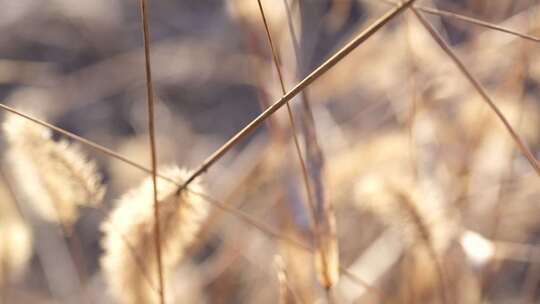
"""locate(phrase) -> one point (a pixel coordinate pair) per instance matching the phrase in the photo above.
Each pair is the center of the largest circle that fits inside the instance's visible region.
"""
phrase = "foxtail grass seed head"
(397, 203)
(54, 177)
(129, 262)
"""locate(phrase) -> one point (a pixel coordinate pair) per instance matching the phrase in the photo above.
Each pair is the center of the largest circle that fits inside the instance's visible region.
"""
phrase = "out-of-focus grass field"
(431, 194)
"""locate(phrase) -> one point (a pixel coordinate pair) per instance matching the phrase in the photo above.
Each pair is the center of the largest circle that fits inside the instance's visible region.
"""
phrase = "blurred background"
(421, 173)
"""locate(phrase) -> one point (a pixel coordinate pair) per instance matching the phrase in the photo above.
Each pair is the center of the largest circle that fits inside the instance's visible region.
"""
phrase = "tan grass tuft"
(15, 249)
(15, 240)
(54, 176)
(397, 202)
(129, 262)
(421, 219)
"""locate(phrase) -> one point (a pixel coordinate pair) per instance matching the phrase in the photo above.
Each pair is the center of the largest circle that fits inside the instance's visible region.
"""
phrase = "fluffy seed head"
(129, 262)
(417, 217)
(54, 177)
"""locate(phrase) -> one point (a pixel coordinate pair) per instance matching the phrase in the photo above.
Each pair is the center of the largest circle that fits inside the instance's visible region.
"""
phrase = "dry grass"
(55, 176)
(413, 124)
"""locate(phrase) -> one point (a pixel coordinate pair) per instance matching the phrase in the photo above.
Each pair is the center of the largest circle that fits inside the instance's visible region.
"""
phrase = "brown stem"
(151, 131)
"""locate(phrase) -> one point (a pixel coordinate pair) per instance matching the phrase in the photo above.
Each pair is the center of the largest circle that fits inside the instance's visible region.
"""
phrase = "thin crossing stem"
(475, 21)
(522, 146)
(152, 131)
(318, 72)
(301, 160)
(310, 122)
(471, 20)
(303, 168)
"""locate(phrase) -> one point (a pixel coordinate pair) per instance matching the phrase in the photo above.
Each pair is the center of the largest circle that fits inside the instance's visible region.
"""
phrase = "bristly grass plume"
(129, 262)
(54, 177)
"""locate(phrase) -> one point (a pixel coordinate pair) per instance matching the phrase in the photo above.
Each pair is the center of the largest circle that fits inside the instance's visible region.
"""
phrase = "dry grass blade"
(482, 23)
(326, 256)
(318, 72)
(151, 131)
(301, 160)
(479, 88)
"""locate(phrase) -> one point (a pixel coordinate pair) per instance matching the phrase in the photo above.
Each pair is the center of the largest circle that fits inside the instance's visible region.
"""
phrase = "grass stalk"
(151, 131)
(471, 20)
(303, 168)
